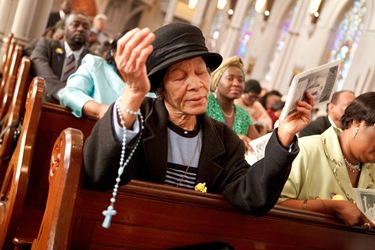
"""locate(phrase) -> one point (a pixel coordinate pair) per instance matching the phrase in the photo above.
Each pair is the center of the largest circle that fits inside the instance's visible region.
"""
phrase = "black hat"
(174, 43)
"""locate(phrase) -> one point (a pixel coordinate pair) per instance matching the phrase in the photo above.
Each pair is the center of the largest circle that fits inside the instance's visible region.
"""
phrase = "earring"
(355, 131)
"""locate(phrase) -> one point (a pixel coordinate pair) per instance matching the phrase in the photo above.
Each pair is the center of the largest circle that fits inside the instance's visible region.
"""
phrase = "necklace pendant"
(108, 216)
(353, 168)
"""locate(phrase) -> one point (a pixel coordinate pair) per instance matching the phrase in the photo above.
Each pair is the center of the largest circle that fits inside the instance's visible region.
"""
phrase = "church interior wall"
(263, 44)
(40, 19)
(7, 11)
(307, 48)
(157, 17)
(359, 76)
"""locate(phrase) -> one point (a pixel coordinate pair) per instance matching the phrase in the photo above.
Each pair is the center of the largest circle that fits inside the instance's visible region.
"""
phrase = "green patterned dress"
(241, 122)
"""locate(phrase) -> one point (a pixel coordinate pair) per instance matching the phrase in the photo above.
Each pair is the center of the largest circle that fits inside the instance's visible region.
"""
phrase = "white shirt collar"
(62, 14)
(69, 51)
(332, 122)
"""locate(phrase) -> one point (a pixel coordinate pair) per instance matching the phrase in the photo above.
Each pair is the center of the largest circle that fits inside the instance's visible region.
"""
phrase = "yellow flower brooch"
(201, 187)
(338, 197)
(59, 51)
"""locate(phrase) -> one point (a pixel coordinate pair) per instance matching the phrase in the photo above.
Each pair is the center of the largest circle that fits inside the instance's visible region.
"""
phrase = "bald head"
(336, 108)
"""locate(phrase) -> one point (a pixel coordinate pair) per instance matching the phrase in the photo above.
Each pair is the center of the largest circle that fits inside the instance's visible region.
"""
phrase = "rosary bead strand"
(110, 210)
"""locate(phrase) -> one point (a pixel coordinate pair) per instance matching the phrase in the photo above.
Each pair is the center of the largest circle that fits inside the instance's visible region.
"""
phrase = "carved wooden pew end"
(54, 119)
(15, 183)
(65, 180)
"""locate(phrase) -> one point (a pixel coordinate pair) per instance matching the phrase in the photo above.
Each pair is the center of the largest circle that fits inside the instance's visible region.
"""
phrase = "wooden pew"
(154, 216)
(5, 57)
(15, 183)
(8, 88)
(64, 184)
(14, 115)
(53, 120)
(7, 61)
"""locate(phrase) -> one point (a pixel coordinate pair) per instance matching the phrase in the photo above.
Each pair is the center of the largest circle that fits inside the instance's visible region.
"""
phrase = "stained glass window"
(246, 31)
(215, 31)
(281, 41)
(347, 37)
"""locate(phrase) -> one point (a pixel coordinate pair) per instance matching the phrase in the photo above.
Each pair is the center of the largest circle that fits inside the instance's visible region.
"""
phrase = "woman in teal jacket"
(95, 85)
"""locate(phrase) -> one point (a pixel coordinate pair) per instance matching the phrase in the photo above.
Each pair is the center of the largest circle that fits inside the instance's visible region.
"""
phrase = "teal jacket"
(94, 80)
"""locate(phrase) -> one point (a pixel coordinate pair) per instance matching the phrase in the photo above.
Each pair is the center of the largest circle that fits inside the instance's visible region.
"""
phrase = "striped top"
(184, 148)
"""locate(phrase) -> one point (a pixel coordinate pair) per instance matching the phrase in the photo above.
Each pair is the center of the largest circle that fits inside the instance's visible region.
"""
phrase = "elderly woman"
(330, 165)
(170, 139)
(227, 83)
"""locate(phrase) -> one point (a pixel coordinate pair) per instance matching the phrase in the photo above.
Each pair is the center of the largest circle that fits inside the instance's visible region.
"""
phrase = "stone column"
(169, 15)
(7, 10)
(229, 47)
(23, 20)
(199, 12)
(40, 18)
(207, 22)
(279, 70)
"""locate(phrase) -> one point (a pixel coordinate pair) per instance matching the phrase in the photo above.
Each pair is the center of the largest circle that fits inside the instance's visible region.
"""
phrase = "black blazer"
(316, 127)
(47, 61)
(54, 17)
(222, 165)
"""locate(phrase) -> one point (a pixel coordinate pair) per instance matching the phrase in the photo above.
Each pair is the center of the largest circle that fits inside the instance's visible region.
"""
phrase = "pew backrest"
(13, 119)
(6, 57)
(53, 120)
(14, 186)
(6, 66)
(64, 184)
(8, 90)
(155, 216)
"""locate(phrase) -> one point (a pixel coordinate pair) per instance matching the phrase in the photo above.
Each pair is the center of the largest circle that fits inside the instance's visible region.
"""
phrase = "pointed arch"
(346, 37)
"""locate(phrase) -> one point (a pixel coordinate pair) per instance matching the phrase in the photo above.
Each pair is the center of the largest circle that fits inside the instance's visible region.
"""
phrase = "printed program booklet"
(320, 82)
(365, 199)
(259, 146)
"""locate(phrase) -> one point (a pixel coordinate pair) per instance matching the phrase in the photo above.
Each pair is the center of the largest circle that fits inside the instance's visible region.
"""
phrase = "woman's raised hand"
(132, 52)
(294, 123)
(131, 55)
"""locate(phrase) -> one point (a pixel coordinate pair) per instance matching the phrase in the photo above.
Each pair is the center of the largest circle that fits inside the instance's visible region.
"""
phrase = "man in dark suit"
(50, 58)
(65, 9)
(335, 109)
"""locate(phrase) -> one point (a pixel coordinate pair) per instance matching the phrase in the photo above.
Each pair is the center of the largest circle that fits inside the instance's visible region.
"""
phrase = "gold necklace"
(226, 115)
